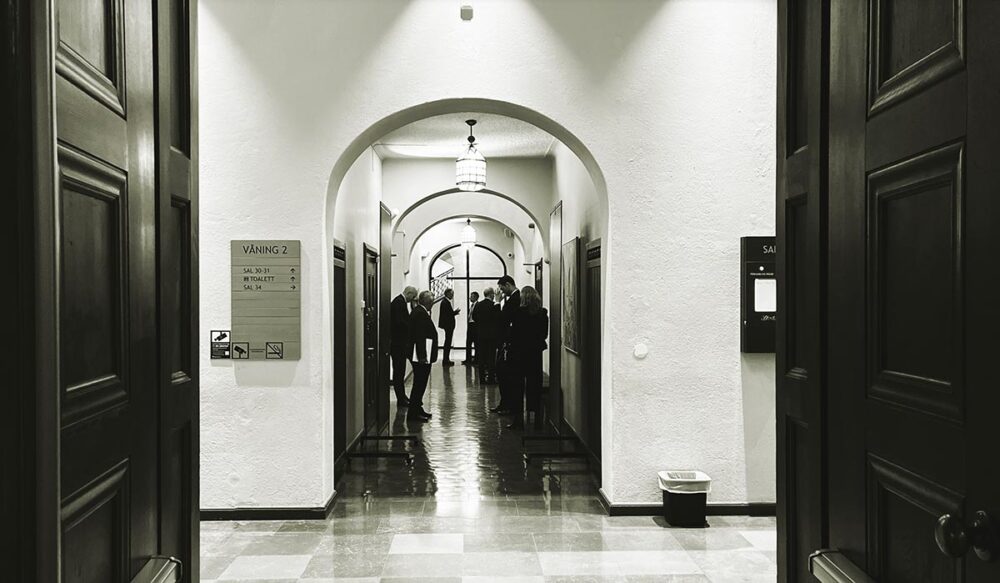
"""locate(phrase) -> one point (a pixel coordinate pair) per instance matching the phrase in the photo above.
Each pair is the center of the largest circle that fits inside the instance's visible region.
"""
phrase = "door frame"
(339, 313)
(384, 301)
(30, 485)
(554, 403)
(592, 362)
(370, 417)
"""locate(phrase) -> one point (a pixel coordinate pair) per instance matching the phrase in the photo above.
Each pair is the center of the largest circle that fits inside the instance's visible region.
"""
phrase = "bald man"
(399, 346)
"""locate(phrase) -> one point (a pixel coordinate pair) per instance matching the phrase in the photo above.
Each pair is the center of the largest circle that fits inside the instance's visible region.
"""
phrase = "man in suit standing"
(508, 372)
(424, 343)
(487, 333)
(472, 331)
(399, 345)
(446, 321)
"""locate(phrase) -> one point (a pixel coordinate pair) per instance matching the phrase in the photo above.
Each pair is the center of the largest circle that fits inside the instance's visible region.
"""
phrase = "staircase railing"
(440, 283)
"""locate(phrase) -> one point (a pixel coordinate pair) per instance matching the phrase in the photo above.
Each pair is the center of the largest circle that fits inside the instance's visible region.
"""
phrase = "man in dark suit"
(471, 331)
(446, 321)
(508, 371)
(487, 315)
(424, 343)
(399, 344)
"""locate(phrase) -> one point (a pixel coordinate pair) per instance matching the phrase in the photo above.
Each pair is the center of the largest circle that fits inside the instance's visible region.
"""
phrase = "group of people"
(507, 329)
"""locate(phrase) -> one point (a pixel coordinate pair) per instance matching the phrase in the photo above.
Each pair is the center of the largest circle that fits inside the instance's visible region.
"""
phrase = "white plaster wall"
(674, 100)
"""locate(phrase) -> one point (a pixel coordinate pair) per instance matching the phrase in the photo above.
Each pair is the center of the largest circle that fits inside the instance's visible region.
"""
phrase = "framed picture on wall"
(571, 295)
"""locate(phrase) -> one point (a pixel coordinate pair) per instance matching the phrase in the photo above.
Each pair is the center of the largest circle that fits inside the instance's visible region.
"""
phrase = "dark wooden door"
(592, 348)
(339, 361)
(126, 273)
(914, 223)
(540, 277)
(384, 314)
(371, 372)
(177, 242)
(801, 237)
(554, 401)
(801, 259)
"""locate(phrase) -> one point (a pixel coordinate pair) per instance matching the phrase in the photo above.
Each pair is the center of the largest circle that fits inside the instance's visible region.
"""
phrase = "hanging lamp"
(468, 235)
(470, 168)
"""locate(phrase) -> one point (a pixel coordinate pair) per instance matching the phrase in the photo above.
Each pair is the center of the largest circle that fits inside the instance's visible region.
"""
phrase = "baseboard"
(711, 509)
(292, 513)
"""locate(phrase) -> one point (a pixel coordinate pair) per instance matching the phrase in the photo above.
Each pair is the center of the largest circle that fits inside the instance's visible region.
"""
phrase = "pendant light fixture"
(470, 168)
(468, 235)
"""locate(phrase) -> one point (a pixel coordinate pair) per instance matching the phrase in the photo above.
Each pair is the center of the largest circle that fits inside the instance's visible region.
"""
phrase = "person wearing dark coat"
(528, 332)
(446, 321)
(423, 352)
(399, 343)
(487, 316)
(472, 331)
(507, 368)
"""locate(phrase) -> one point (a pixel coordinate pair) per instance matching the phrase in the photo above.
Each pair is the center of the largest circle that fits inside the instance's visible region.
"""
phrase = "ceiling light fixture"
(468, 235)
(470, 168)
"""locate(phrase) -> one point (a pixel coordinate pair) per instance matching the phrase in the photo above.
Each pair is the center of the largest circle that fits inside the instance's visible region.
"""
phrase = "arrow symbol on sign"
(293, 270)
(293, 278)
(293, 287)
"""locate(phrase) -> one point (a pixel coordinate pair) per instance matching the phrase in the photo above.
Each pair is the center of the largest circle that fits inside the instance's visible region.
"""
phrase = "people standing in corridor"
(399, 344)
(446, 321)
(471, 331)
(424, 346)
(507, 363)
(487, 315)
(529, 329)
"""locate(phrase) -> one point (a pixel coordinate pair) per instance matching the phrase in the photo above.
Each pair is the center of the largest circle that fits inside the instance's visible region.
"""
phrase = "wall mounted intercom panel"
(758, 291)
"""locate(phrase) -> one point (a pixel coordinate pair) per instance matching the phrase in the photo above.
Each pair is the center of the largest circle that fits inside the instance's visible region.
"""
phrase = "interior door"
(371, 322)
(554, 401)
(592, 348)
(914, 241)
(125, 216)
(339, 361)
(801, 259)
(384, 314)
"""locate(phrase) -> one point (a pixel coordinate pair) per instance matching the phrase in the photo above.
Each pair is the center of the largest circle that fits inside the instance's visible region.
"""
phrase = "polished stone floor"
(469, 509)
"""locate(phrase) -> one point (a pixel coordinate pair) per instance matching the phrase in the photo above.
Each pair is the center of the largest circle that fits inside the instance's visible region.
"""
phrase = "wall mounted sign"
(571, 295)
(221, 342)
(266, 291)
(758, 291)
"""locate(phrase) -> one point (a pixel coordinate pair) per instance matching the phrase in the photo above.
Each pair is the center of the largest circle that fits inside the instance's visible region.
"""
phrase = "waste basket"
(684, 495)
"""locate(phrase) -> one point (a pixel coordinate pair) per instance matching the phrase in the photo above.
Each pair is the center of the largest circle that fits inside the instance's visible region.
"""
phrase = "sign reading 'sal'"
(267, 306)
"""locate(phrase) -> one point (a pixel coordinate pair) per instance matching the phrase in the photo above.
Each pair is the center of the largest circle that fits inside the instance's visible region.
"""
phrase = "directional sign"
(266, 292)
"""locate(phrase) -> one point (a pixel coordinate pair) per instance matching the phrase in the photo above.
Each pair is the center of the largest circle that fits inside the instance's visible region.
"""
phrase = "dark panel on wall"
(915, 308)
(179, 64)
(93, 317)
(339, 362)
(797, 267)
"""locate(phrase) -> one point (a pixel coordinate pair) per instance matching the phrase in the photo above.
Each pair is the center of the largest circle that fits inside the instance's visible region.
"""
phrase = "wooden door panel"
(95, 536)
(915, 283)
(90, 52)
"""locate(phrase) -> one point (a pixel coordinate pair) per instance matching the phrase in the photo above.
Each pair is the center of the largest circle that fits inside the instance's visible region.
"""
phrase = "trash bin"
(684, 495)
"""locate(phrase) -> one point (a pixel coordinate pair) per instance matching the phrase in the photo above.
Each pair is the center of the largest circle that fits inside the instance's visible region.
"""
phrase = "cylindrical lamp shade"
(468, 235)
(470, 170)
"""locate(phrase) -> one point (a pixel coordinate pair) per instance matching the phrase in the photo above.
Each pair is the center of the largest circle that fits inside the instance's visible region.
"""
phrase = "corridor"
(468, 509)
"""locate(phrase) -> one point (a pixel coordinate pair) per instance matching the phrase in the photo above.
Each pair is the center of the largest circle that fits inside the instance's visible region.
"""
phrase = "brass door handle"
(955, 539)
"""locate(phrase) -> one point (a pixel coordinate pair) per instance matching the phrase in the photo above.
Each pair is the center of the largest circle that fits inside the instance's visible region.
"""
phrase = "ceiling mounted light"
(468, 235)
(470, 168)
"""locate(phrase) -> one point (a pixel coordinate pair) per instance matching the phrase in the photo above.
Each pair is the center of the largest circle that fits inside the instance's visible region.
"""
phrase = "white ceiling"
(445, 136)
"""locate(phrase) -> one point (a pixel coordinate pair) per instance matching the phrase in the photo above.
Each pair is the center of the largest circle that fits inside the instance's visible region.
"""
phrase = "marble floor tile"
(499, 542)
(287, 543)
(212, 567)
(266, 567)
(501, 564)
(762, 540)
(423, 566)
(710, 539)
(618, 563)
(491, 579)
(431, 543)
(735, 566)
(346, 565)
